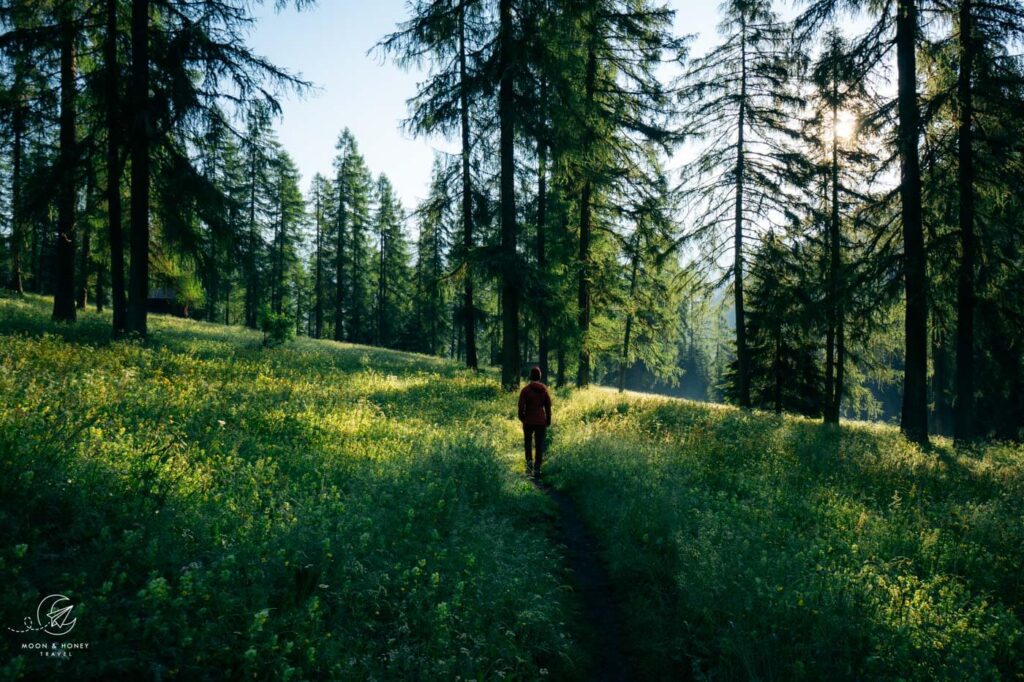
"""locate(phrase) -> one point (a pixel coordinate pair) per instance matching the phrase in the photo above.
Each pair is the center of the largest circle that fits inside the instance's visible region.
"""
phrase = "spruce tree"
(352, 232)
(393, 277)
(288, 217)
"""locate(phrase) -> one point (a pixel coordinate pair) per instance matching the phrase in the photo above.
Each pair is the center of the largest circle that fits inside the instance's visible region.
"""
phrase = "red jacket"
(535, 404)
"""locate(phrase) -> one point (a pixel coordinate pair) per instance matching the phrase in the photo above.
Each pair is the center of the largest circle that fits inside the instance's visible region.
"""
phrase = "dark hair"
(535, 374)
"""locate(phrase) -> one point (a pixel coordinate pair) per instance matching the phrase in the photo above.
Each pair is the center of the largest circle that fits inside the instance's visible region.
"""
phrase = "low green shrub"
(278, 328)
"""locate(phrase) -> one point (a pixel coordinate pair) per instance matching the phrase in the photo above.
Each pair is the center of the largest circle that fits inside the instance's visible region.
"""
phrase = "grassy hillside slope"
(217, 509)
(749, 546)
(326, 510)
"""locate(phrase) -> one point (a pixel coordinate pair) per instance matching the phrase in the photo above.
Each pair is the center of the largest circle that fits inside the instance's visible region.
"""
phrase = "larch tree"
(453, 36)
(738, 100)
(836, 94)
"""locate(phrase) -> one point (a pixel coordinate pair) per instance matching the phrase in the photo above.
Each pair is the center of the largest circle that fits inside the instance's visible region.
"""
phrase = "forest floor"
(216, 509)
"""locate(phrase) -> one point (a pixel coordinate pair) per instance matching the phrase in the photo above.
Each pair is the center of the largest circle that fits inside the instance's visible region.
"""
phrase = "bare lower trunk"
(914, 419)
(101, 283)
(318, 304)
(560, 359)
(583, 295)
(542, 216)
(118, 302)
(82, 295)
(742, 356)
(509, 229)
(964, 427)
(138, 274)
(468, 304)
(339, 266)
(833, 394)
(624, 358)
(64, 283)
(17, 227)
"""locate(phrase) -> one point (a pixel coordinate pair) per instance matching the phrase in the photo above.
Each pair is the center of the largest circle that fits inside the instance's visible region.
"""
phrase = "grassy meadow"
(749, 546)
(327, 511)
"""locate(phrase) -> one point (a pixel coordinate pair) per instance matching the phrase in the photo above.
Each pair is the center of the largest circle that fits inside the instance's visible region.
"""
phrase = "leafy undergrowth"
(748, 546)
(219, 511)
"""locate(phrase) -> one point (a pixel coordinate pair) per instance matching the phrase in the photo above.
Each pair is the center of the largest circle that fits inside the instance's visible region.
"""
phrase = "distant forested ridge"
(802, 218)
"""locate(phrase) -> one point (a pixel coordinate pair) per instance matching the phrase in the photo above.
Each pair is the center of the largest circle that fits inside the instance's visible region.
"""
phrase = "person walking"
(535, 414)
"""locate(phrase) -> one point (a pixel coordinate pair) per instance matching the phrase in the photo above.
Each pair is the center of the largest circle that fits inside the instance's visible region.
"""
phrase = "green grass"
(323, 510)
(755, 547)
(220, 510)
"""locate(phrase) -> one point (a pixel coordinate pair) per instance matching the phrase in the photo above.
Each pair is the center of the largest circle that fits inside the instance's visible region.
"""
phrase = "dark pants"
(531, 434)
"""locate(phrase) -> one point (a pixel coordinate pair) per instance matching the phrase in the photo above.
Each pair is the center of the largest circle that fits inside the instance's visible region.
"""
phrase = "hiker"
(535, 414)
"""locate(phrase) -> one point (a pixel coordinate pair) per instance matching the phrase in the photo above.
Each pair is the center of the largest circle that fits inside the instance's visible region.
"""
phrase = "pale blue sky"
(328, 45)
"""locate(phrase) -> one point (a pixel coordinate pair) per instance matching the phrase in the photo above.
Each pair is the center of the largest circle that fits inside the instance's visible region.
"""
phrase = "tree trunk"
(496, 334)
(64, 283)
(583, 295)
(382, 284)
(542, 218)
(914, 419)
(509, 231)
(742, 356)
(840, 365)
(35, 258)
(318, 305)
(118, 303)
(82, 295)
(17, 227)
(469, 306)
(833, 395)
(212, 283)
(624, 359)
(940, 381)
(964, 428)
(560, 359)
(339, 266)
(213, 275)
(542, 256)
(251, 274)
(279, 255)
(138, 273)
(355, 331)
(100, 291)
(777, 371)
(84, 255)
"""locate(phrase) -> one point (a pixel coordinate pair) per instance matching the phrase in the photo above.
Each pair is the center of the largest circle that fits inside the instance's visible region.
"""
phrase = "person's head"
(535, 374)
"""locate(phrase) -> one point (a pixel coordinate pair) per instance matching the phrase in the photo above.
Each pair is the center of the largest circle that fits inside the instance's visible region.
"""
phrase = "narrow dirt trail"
(600, 608)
